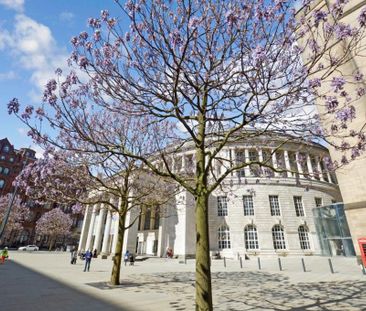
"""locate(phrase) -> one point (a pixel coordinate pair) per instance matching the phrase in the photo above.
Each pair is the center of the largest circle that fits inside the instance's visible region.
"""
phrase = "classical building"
(254, 211)
(351, 178)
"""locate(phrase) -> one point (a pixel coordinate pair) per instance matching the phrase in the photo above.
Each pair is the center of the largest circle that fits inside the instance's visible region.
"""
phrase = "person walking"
(74, 256)
(126, 257)
(4, 254)
(88, 258)
(132, 260)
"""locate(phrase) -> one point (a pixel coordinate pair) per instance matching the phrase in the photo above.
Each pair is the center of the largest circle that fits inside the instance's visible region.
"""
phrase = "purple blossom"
(28, 111)
(104, 14)
(83, 35)
(314, 83)
(13, 106)
(319, 16)
(94, 22)
(361, 91)
(231, 17)
(58, 71)
(74, 41)
(175, 38)
(358, 76)
(97, 35)
(362, 18)
(83, 62)
(344, 160)
(194, 22)
(343, 31)
(355, 152)
(259, 54)
(331, 103)
(338, 83)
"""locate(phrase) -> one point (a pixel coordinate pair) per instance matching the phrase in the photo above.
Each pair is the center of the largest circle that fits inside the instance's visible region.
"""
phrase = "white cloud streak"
(17, 5)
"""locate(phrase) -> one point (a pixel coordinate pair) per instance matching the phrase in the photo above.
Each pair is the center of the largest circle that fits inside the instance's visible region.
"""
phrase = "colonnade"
(97, 232)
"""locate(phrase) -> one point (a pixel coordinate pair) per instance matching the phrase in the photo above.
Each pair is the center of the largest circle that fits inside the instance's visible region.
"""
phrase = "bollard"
(303, 264)
(241, 263)
(259, 263)
(279, 263)
(225, 262)
(330, 265)
(363, 269)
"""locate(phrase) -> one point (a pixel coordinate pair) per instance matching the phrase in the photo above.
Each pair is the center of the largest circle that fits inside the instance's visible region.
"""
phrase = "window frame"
(278, 237)
(222, 209)
(223, 237)
(299, 209)
(275, 210)
(316, 203)
(251, 237)
(304, 238)
(248, 209)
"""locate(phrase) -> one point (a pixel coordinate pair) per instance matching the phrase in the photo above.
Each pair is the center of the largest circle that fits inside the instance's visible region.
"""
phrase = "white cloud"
(22, 131)
(17, 5)
(9, 75)
(35, 49)
(66, 16)
(39, 151)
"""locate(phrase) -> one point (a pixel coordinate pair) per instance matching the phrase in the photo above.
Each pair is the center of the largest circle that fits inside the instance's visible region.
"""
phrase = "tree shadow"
(25, 289)
(252, 291)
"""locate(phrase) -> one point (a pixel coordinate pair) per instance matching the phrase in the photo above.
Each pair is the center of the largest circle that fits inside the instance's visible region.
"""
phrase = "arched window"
(6, 171)
(224, 237)
(251, 237)
(278, 237)
(304, 237)
(2, 183)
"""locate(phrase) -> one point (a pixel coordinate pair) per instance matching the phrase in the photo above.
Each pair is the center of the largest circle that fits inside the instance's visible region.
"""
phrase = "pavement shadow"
(250, 291)
(25, 289)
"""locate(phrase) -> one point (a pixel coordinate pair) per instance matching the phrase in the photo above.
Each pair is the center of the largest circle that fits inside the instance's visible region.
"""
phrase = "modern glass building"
(333, 231)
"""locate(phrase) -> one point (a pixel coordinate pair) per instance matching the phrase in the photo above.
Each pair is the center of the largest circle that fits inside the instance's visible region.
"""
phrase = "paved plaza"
(47, 281)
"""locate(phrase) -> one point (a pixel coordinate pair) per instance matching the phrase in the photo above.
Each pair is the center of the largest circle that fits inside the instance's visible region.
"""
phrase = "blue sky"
(34, 41)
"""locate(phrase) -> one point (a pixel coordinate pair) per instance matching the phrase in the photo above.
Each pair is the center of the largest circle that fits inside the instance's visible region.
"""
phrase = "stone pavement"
(46, 281)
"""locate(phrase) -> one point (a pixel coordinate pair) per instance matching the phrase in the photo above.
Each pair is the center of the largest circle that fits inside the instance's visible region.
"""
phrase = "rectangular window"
(222, 206)
(318, 202)
(240, 159)
(275, 205)
(299, 208)
(248, 205)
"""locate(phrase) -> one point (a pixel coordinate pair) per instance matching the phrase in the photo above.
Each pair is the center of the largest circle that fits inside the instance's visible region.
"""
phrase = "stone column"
(232, 158)
(298, 163)
(310, 166)
(287, 163)
(183, 169)
(89, 239)
(247, 168)
(275, 163)
(319, 168)
(107, 232)
(100, 227)
(85, 229)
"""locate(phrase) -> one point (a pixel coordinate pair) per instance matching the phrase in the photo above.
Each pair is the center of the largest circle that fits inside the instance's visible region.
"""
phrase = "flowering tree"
(54, 223)
(214, 73)
(19, 213)
(87, 175)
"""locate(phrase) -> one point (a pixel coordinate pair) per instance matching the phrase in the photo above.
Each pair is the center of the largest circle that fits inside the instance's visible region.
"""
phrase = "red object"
(362, 245)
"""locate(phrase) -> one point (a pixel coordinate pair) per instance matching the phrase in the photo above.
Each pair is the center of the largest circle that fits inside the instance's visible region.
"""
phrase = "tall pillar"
(89, 239)
(232, 159)
(247, 168)
(85, 229)
(287, 163)
(107, 232)
(319, 168)
(100, 227)
(275, 163)
(298, 163)
(310, 166)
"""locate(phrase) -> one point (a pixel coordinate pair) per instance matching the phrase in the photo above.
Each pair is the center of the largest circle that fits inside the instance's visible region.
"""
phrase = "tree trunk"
(52, 242)
(117, 258)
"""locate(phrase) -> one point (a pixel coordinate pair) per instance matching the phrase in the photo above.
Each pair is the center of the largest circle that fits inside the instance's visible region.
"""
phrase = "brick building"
(11, 163)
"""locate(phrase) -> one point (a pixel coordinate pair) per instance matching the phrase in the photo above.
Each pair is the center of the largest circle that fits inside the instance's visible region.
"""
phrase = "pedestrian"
(74, 255)
(126, 257)
(132, 260)
(4, 254)
(95, 254)
(88, 257)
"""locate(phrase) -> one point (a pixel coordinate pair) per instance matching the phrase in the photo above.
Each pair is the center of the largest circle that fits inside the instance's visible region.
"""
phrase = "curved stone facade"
(255, 211)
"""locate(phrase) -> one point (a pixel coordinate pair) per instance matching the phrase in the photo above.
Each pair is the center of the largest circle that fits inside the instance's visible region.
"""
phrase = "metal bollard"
(241, 263)
(363, 269)
(330, 265)
(279, 263)
(303, 264)
(259, 263)
(225, 262)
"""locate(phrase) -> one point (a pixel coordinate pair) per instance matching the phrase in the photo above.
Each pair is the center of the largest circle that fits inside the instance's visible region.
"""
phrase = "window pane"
(248, 205)
(298, 206)
(275, 205)
(222, 206)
